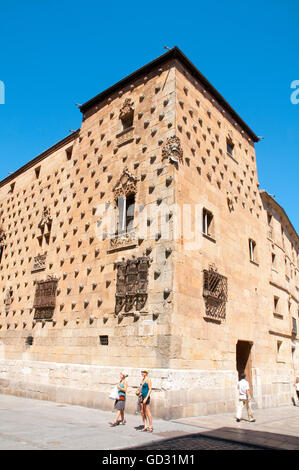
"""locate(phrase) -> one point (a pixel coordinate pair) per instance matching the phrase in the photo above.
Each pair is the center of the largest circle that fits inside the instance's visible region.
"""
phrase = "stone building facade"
(143, 240)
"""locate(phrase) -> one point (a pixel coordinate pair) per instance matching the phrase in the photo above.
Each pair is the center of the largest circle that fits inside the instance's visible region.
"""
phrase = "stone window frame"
(276, 307)
(208, 224)
(45, 305)
(230, 146)
(253, 252)
(127, 219)
(125, 187)
(279, 351)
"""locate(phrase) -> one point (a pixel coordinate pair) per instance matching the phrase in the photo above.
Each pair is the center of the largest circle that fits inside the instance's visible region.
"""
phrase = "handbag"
(114, 393)
(140, 399)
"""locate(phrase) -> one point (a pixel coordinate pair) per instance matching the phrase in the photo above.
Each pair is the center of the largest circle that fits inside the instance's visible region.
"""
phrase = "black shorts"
(147, 401)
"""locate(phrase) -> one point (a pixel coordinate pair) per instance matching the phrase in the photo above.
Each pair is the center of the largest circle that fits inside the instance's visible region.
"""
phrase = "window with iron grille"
(45, 299)
(215, 294)
(131, 284)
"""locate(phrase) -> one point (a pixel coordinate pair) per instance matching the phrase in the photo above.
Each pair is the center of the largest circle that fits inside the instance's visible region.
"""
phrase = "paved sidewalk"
(276, 428)
(28, 424)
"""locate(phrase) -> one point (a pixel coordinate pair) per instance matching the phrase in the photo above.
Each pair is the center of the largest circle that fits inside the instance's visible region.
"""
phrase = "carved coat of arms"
(173, 149)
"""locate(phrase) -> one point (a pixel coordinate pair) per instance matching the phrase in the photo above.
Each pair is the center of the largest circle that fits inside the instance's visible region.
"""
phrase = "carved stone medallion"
(173, 148)
(46, 218)
(126, 109)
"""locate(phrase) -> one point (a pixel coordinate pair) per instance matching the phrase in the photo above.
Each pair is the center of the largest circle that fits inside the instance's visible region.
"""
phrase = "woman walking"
(145, 391)
(120, 403)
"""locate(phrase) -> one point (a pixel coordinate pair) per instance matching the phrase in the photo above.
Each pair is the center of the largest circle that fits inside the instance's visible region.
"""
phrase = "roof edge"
(174, 53)
(265, 195)
(40, 157)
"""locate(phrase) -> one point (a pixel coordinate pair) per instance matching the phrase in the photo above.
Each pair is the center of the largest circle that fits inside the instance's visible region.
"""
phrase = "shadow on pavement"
(263, 439)
(225, 439)
(197, 441)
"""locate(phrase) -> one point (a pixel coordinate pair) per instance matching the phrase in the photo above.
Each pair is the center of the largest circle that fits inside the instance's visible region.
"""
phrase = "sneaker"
(238, 420)
(252, 420)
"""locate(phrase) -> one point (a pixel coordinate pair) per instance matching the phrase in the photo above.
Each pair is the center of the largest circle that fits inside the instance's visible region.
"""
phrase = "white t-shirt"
(243, 385)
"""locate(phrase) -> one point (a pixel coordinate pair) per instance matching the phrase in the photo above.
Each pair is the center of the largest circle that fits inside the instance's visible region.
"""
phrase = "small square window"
(104, 340)
(127, 121)
(29, 340)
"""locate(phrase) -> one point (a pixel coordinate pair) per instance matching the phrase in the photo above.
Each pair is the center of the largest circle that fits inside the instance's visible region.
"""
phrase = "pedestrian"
(244, 399)
(145, 398)
(296, 385)
(120, 402)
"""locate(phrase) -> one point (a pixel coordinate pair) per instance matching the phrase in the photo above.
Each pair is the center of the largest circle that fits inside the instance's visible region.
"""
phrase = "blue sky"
(55, 54)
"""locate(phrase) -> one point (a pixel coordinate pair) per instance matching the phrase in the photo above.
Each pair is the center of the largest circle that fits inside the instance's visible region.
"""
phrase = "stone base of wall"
(176, 393)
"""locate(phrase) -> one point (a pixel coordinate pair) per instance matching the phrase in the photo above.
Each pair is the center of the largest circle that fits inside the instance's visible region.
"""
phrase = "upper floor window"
(252, 251)
(276, 305)
(208, 223)
(229, 147)
(127, 121)
(279, 351)
(124, 196)
(269, 219)
(126, 209)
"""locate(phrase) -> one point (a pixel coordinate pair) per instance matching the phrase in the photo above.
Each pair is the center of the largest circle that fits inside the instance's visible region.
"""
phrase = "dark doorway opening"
(243, 359)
